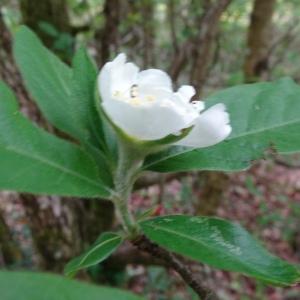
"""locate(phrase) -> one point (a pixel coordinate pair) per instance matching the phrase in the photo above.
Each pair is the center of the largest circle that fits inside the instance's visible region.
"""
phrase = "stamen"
(116, 93)
(150, 98)
(135, 101)
(198, 105)
(134, 91)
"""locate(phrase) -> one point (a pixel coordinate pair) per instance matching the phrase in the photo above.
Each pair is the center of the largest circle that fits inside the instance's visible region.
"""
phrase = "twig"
(144, 244)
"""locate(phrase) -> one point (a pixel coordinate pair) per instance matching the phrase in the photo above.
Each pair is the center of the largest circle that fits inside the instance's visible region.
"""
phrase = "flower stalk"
(129, 163)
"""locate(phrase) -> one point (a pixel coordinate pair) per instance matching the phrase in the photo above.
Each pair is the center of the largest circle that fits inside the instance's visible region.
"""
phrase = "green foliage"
(263, 116)
(49, 29)
(85, 113)
(64, 95)
(48, 80)
(106, 244)
(37, 286)
(35, 161)
(83, 106)
(221, 244)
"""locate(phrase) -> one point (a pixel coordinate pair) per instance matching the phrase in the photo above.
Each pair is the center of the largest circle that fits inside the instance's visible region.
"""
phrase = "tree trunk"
(258, 40)
(148, 25)
(54, 12)
(9, 252)
(210, 196)
(108, 37)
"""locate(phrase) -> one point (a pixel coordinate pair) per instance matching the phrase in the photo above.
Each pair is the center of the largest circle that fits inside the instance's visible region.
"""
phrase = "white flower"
(144, 105)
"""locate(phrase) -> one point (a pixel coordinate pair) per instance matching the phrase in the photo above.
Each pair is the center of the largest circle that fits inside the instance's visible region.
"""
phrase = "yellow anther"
(135, 101)
(150, 98)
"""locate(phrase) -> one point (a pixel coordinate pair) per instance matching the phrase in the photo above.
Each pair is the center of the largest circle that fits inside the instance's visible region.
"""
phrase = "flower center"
(137, 99)
(134, 91)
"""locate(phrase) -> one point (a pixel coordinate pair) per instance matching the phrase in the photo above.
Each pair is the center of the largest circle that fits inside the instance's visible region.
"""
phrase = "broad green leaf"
(34, 161)
(220, 244)
(105, 245)
(42, 286)
(65, 96)
(263, 116)
(48, 80)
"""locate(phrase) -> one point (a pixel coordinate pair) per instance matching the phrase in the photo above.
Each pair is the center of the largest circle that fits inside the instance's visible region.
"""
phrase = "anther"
(134, 91)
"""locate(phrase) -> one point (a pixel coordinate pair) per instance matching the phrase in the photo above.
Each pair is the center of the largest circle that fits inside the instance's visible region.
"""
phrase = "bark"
(9, 252)
(258, 40)
(172, 22)
(62, 228)
(148, 26)
(109, 34)
(54, 12)
(210, 196)
(10, 74)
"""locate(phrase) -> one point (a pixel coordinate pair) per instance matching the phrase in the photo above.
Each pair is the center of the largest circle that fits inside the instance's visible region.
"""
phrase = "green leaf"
(220, 244)
(105, 245)
(85, 113)
(35, 161)
(47, 78)
(263, 116)
(38, 286)
(83, 106)
(65, 96)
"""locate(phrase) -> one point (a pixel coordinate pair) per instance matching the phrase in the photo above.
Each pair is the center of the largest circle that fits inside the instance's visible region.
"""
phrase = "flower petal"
(186, 92)
(116, 76)
(153, 79)
(148, 121)
(211, 127)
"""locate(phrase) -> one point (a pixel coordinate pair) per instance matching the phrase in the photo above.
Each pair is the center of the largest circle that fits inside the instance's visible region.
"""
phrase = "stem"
(129, 162)
(144, 244)
(125, 216)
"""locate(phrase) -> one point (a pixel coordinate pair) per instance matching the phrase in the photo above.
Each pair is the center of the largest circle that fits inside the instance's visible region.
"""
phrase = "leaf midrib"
(50, 61)
(167, 230)
(97, 247)
(54, 165)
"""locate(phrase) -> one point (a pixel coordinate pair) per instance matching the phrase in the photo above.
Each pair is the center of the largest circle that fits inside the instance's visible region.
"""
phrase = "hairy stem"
(144, 244)
(129, 163)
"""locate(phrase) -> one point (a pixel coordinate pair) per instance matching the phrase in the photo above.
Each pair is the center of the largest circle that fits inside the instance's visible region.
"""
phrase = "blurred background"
(211, 44)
